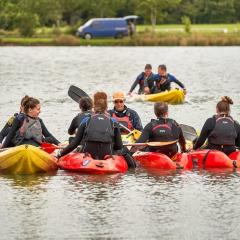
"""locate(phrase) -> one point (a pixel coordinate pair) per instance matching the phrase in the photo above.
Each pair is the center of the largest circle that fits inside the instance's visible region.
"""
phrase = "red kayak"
(81, 162)
(161, 161)
(206, 158)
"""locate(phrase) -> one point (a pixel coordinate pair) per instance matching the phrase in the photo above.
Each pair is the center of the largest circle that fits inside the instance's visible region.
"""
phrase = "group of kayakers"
(98, 130)
(150, 83)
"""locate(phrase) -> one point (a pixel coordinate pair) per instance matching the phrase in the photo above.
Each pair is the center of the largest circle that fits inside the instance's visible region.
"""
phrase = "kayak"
(206, 158)
(81, 162)
(174, 96)
(26, 159)
(161, 161)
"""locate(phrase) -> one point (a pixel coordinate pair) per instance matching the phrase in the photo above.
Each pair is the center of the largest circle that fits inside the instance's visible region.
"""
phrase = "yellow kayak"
(26, 159)
(174, 96)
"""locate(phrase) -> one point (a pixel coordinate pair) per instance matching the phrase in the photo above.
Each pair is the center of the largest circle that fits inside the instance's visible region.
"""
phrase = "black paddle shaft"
(76, 93)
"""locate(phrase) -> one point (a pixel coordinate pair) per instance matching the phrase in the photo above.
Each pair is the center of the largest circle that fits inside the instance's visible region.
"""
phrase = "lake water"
(137, 205)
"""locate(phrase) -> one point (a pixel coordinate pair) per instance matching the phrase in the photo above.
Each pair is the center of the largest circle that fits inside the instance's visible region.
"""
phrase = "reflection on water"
(142, 204)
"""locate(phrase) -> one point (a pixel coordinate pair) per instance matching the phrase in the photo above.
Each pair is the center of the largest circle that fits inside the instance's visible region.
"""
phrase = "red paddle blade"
(48, 147)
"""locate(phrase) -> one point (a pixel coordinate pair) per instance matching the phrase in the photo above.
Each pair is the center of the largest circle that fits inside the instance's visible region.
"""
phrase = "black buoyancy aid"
(124, 120)
(224, 132)
(163, 131)
(164, 83)
(99, 129)
(31, 129)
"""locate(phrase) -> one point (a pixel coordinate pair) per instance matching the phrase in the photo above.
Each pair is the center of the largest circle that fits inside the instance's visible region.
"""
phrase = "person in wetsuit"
(163, 129)
(124, 115)
(28, 128)
(141, 78)
(4, 132)
(85, 104)
(98, 133)
(162, 81)
(221, 130)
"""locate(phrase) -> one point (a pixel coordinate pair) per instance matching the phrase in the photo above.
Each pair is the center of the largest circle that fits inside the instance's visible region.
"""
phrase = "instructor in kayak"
(221, 130)
(28, 128)
(124, 115)
(163, 129)
(98, 133)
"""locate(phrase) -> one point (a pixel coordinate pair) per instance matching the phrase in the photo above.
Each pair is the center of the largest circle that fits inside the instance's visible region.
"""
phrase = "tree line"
(29, 14)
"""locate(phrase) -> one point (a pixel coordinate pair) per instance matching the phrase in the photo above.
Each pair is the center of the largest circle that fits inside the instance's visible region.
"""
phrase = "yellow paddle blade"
(135, 133)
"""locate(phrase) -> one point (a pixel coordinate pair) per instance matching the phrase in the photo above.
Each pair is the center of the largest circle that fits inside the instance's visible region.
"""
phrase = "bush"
(67, 40)
(27, 24)
(187, 24)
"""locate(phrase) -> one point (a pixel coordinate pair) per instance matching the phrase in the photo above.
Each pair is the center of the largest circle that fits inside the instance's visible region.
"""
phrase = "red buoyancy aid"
(125, 121)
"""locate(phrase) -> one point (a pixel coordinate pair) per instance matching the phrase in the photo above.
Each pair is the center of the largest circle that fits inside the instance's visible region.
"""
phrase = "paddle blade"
(189, 132)
(48, 147)
(151, 144)
(76, 93)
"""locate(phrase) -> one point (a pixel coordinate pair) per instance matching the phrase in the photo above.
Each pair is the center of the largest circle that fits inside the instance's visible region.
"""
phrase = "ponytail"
(29, 103)
(223, 106)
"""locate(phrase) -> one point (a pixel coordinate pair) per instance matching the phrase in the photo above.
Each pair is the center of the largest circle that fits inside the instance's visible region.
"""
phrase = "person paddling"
(85, 105)
(4, 132)
(124, 115)
(163, 129)
(221, 130)
(28, 128)
(99, 134)
(141, 79)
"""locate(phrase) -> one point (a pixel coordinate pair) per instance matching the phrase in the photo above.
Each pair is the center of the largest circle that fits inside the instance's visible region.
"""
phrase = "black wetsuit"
(17, 123)
(206, 131)
(76, 121)
(163, 130)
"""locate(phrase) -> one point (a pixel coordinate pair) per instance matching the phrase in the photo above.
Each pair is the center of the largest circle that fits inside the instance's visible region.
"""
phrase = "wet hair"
(100, 102)
(223, 106)
(29, 103)
(163, 67)
(160, 109)
(148, 66)
(85, 104)
(23, 99)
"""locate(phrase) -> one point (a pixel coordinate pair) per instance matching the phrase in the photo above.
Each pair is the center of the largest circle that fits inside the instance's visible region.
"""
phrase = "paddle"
(189, 132)
(76, 93)
(151, 144)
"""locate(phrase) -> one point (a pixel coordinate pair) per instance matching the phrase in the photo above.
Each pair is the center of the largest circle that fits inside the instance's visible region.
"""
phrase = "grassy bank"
(164, 35)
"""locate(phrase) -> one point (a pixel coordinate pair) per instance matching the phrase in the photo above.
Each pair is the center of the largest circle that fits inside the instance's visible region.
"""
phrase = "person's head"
(85, 104)
(22, 101)
(118, 100)
(223, 106)
(148, 69)
(31, 107)
(162, 70)
(161, 109)
(100, 102)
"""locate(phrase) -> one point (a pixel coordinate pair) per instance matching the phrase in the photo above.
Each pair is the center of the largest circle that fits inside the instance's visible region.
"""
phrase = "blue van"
(104, 27)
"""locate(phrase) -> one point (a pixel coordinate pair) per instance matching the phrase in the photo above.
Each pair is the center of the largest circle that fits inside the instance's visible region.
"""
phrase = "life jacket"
(163, 86)
(224, 132)
(125, 121)
(31, 129)
(163, 131)
(99, 129)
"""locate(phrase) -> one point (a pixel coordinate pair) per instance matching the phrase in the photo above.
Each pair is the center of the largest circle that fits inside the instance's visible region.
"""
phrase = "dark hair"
(148, 66)
(163, 67)
(160, 109)
(223, 106)
(23, 99)
(100, 102)
(29, 103)
(85, 104)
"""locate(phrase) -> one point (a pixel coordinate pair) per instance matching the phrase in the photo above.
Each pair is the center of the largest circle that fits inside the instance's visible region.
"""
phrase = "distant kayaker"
(28, 128)
(141, 78)
(4, 132)
(163, 129)
(124, 115)
(99, 134)
(162, 81)
(221, 130)
(85, 105)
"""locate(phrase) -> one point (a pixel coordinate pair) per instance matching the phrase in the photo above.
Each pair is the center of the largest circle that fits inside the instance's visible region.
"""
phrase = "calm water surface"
(140, 204)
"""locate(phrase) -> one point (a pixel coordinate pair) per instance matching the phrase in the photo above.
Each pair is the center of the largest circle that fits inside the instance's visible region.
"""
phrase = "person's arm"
(139, 77)
(4, 132)
(15, 126)
(145, 134)
(117, 145)
(72, 127)
(182, 141)
(47, 134)
(174, 79)
(77, 140)
(137, 124)
(205, 132)
(237, 141)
